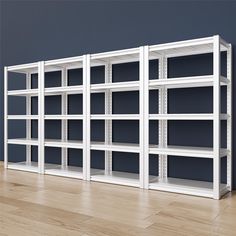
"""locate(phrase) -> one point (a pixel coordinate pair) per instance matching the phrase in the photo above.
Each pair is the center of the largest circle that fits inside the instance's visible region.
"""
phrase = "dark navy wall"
(38, 30)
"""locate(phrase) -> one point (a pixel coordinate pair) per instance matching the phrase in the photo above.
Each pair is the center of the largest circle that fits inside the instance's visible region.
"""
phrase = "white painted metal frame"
(142, 55)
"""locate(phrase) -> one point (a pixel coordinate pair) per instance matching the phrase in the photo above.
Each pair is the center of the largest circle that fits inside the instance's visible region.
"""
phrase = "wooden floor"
(31, 204)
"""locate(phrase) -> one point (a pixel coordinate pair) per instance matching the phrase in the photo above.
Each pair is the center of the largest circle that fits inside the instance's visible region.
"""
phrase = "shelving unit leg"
(64, 128)
(144, 117)
(5, 117)
(216, 121)
(41, 158)
(163, 125)
(86, 117)
(28, 121)
(108, 123)
(229, 120)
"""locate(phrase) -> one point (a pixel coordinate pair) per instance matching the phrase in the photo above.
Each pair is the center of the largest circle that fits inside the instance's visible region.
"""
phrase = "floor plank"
(32, 204)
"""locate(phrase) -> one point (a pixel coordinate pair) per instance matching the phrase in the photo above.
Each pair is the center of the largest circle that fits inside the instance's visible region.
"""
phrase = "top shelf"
(174, 49)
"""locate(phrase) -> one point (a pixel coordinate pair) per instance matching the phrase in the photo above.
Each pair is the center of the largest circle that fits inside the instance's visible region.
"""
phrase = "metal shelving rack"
(143, 55)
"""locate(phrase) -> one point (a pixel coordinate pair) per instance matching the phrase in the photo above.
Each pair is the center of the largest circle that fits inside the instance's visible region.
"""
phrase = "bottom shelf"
(23, 166)
(117, 177)
(175, 185)
(69, 171)
(121, 178)
(190, 187)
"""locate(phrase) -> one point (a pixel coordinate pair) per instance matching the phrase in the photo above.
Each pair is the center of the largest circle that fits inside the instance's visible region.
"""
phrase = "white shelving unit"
(162, 52)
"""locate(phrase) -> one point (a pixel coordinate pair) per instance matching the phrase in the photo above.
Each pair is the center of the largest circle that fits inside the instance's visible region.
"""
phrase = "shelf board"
(22, 117)
(23, 166)
(23, 141)
(63, 117)
(115, 117)
(121, 178)
(66, 144)
(69, 171)
(76, 89)
(187, 151)
(115, 87)
(23, 68)
(185, 82)
(187, 116)
(188, 47)
(52, 91)
(23, 92)
(116, 147)
(190, 187)
(47, 117)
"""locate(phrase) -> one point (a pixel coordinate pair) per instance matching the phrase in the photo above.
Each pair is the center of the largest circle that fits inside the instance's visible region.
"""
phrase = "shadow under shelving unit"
(141, 84)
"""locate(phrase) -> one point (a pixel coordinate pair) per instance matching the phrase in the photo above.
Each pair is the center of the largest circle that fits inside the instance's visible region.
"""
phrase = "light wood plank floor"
(31, 204)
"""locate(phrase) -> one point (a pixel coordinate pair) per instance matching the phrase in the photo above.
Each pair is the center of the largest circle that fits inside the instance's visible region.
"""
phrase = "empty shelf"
(116, 86)
(23, 166)
(23, 92)
(63, 117)
(22, 117)
(67, 144)
(121, 178)
(190, 187)
(197, 116)
(23, 141)
(76, 89)
(115, 117)
(116, 147)
(69, 171)
(185, 82)
(187, 151)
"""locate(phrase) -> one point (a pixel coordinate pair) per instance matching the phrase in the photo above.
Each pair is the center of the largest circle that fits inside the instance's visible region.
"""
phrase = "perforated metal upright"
(64, 122)
(230, 118)
(163, 125)
(28, 121)
(108, 123)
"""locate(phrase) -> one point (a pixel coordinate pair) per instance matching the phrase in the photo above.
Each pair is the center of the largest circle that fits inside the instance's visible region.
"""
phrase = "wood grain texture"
(32, 204)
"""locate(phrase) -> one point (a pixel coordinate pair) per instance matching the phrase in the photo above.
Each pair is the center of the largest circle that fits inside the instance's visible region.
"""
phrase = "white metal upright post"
(108, 123)
(216, 122)
(41, 158)
(162, 124)
(5, 117)
(86, 117)
(229, 120)
(144, 117)
(64, 128)
(28, 121)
